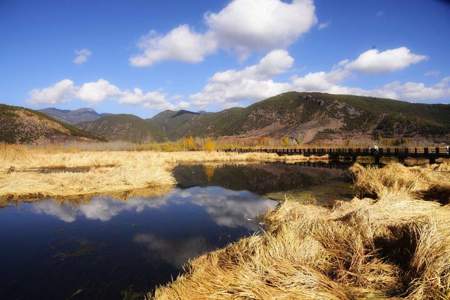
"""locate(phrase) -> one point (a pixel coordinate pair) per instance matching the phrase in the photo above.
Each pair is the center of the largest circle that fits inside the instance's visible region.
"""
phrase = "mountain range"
(303, 117)
(20, 125)
(72, 116)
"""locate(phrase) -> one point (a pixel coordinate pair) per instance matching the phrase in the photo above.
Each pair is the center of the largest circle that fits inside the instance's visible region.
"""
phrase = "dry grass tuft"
(418, 181)
(392, 247)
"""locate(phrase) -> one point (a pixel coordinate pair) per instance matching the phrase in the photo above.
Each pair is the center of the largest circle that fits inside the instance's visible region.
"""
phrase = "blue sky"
(142, 57)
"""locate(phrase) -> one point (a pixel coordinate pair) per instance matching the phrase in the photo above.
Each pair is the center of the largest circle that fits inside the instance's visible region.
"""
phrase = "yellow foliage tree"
(209, 145)
(189, 143)
(285, 141)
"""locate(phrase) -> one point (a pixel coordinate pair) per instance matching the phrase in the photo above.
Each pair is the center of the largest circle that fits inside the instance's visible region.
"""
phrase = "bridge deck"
(431, 153)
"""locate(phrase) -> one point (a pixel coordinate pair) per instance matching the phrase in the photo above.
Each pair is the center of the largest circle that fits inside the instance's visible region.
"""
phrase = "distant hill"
(22, 125)
(72, 116)
(123, 127)
(173, 124)
(303, 117)
(314, 117)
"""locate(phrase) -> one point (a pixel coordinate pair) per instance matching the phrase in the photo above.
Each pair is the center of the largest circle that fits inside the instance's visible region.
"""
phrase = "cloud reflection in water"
(225, 207)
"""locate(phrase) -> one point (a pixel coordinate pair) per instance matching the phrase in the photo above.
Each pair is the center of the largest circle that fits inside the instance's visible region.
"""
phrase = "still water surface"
(104, 248)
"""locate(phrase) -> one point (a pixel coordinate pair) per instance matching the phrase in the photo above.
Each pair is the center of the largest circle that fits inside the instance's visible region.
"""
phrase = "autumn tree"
(209, 145)
(285, 141)
(189, 143)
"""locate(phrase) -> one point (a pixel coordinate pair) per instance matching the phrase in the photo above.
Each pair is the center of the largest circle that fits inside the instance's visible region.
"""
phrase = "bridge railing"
(388, 151)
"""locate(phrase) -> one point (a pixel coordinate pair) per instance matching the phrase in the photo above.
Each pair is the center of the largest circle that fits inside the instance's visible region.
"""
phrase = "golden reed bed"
(393, 246)
(35, 173)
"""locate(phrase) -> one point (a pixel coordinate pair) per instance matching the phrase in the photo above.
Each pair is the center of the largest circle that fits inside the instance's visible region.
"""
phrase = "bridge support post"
(377, 159)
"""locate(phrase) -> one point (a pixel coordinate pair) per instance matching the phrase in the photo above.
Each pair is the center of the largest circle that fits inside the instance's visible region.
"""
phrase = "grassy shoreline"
(37, 173)
(394, 245)
(392, 241)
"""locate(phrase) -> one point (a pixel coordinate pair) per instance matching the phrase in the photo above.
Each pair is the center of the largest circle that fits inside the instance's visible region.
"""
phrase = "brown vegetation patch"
(65, 169)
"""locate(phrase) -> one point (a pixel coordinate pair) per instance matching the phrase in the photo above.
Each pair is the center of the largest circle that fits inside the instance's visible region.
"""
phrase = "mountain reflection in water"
(274, 180)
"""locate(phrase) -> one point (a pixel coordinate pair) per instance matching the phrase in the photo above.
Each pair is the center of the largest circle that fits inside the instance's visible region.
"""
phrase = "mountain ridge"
(305, 117)
(73, 117)
(23, 125)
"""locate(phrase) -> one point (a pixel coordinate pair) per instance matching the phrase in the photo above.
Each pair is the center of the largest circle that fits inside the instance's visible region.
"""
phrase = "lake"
(107, 248)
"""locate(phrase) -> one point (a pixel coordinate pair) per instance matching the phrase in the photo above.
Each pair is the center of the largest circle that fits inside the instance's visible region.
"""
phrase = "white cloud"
(181, 44)
(251, 83)
(374, 61)
(319, 81)
(59, 92)
(97, 91)
(248, 25)
(81, 56)
(416, 91)
(331, 82)
(323, 25)
(255, 82)
(152, 99)
(243, 26)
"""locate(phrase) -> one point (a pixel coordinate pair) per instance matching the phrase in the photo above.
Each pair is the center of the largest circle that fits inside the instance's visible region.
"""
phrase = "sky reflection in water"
(117, 249)
(106, 248)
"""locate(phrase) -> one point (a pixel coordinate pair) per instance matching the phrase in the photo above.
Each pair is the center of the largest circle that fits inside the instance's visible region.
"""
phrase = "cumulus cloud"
(416, 91)
(256, 82)
(180, 43)
(97, 91)
(247, 25)
(152, 99)
(374, 61)
(81, 56)
(331, 83)
(251, 83)
(243, 26)
(319, 81)
(59, 92)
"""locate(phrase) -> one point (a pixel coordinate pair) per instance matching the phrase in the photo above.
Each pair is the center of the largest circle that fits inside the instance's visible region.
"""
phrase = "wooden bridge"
(431, 153)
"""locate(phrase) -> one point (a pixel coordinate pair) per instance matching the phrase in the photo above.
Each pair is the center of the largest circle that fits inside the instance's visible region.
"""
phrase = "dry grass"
(418, 181)
(392, 247)
(71, 174)
(32, 172)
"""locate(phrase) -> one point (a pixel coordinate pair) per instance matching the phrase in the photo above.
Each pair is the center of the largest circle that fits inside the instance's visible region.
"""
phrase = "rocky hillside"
(72, 116)
(123, 128)
(303, 117)
(314, 117)
(21, 125)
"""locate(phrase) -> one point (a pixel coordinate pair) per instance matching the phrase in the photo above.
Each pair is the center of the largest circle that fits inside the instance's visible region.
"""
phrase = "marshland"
(225, 150)
(128, 224)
